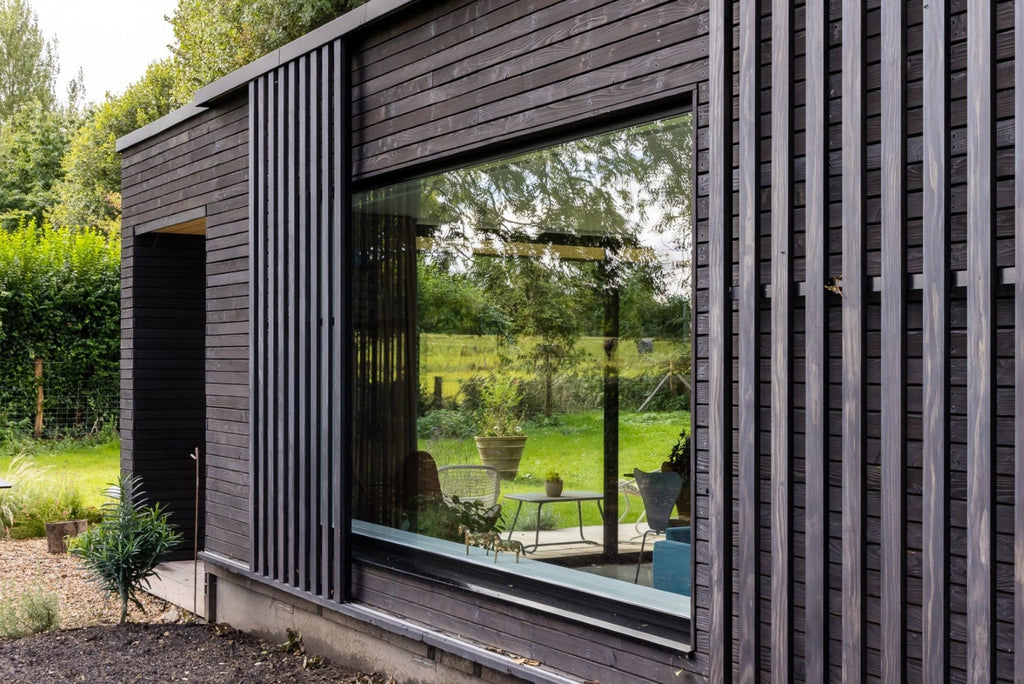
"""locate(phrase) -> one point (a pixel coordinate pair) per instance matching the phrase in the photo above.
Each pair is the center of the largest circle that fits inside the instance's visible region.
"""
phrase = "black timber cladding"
(198, 168)
(948, 431)
(901, 507)
(299, 199)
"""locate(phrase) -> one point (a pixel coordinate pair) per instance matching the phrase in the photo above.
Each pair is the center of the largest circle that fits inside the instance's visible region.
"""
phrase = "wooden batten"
(748, 562)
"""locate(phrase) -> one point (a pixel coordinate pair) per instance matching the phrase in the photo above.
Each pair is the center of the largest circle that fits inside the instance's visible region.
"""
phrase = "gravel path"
(26, 565)
(160, 645)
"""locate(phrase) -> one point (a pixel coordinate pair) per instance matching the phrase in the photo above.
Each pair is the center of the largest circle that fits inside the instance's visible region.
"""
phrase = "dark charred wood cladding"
(299, 206)
(194, 169)
(457, 77)
(164, 370)
(858, 414)
(902, 452)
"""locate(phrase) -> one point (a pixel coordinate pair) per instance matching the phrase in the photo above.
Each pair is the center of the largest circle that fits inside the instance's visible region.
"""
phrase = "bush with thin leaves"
(32, 612)
(125, 547)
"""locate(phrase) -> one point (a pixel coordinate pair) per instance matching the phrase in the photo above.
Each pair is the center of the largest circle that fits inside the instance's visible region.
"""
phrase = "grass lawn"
(457, 358)
(89, 467)
(573, 446)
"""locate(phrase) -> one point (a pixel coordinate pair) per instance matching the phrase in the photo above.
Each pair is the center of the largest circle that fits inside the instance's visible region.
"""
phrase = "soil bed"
(160, 645)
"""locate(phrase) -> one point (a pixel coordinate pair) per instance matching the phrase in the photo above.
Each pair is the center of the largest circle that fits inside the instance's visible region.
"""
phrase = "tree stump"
(57, 534)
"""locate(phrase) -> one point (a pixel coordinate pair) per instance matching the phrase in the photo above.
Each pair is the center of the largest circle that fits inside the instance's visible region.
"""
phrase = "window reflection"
(532, 315)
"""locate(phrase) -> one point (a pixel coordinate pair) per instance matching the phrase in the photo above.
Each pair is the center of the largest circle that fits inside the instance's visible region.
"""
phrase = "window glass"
(533, 315)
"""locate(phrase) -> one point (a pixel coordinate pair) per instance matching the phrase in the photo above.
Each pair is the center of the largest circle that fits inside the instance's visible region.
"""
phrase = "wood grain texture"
(1018, 329)
(748, 333)
(893, 399)
(815, 327)
(935, 343)
(853, 442)
(781, 335)
(981, 180)
(719, 261)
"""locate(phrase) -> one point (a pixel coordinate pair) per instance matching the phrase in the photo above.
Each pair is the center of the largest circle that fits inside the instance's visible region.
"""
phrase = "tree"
(28, 62)
(33, 143)
(215, 37)
(89, 194)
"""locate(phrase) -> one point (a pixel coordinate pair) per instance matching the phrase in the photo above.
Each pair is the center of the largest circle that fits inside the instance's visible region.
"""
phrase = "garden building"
(555, 218)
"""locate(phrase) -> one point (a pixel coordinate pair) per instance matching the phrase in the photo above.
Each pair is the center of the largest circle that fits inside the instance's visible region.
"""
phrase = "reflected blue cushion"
(671, 566)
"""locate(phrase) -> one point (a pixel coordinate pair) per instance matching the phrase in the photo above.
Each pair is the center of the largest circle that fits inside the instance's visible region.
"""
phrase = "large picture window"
(522, 349)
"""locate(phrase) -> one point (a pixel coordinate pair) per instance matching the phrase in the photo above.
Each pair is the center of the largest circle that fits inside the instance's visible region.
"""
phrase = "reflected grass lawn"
(573, 446)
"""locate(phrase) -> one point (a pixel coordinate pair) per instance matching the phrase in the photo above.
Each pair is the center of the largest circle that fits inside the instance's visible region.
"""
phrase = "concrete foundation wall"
(253, 607)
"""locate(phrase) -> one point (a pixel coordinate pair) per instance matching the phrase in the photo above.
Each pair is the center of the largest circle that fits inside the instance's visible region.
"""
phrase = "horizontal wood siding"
(201, 164)
(899, 493)
(520, 629)
(162, 367)
(454, 77)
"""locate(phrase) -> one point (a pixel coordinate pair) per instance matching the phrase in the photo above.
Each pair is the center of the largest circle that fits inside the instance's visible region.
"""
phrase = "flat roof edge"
(204, 97)
(159, 126)
(336, 28)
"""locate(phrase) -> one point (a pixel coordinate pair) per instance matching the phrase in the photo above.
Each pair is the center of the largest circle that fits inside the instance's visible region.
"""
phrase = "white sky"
(113, 41)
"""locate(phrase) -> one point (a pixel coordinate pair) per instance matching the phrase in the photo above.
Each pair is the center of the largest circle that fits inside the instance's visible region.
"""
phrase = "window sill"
(649, 615)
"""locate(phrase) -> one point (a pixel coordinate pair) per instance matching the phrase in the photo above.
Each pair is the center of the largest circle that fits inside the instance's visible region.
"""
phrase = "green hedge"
(59, 301)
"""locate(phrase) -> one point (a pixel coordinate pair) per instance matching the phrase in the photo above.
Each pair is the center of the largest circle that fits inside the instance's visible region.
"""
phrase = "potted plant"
(553, 484)
(679, 461)
(500, 440)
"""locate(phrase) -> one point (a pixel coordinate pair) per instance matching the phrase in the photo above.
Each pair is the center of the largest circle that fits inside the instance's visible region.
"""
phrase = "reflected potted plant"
(500, 441)
(679, 461)
(553, 484)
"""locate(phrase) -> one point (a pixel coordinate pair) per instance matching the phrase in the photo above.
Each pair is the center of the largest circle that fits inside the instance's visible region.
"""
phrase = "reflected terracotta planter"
(504, 453)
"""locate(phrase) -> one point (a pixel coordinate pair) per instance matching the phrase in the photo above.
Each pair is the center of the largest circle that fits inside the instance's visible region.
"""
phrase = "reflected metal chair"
(470, 483)
(659, 492)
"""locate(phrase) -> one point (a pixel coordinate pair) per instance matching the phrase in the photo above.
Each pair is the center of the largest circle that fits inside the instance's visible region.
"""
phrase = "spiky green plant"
(125, 547)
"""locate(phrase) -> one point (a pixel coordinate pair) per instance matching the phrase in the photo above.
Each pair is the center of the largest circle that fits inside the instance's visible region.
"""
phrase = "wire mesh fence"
(71, 396)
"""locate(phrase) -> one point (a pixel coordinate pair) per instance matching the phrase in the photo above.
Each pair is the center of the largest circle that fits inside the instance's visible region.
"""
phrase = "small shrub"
(123, 550)
(445, 424)
(32, 612)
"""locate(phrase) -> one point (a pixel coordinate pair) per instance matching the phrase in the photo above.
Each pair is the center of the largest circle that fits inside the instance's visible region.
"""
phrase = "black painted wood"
(815, 326)
(981, 207)
(781, 333)
(719, 444)
(935, 343)
(748, 333)
(893, 388)
(853, 338)
(301, 208)
(1018, 441)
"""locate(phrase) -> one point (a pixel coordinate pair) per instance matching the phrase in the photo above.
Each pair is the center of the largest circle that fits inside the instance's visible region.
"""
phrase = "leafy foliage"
(215, 37)
(123, 550)
(89, 193)
(59, 301)
(442, 519)
(28, 62)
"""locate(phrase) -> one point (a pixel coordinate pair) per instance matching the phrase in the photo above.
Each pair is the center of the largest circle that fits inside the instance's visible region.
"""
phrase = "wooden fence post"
(38, 431)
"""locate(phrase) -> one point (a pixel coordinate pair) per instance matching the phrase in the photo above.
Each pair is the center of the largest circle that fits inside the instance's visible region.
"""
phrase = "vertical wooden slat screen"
(853, 287)
(720, 94)
(981, 414)
(781, 401)
(918, 129)
(298, 200)
(935, 341)
(893, 339)
(816, 381)
(748, 426)
(1018, 439)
